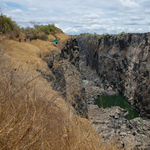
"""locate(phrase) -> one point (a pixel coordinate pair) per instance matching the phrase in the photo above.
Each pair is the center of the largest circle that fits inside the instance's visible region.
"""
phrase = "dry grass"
(33, 116)
(28, 54)
(46, 47)
(51, 37)
(63, 39)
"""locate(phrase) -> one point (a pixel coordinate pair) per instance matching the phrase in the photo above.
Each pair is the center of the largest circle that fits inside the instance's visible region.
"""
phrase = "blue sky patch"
(15, 5)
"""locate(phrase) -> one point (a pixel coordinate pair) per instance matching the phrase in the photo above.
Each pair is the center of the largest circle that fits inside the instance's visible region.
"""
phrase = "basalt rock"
(111, 124)
(122, 63)
(64, 76)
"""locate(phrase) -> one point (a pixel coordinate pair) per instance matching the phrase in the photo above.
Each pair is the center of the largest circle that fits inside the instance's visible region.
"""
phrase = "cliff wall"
(122, 63)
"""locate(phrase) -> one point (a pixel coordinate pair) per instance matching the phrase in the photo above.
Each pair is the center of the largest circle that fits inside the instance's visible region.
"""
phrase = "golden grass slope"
(32, 115)
(29, 54)
(63, 39)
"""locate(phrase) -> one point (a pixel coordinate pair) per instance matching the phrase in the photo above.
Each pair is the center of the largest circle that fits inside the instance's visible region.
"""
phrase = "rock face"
(122, 63)
(111, 124)
(64, 76)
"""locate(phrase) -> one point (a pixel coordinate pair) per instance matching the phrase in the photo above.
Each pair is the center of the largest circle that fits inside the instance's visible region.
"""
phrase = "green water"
(117, 100)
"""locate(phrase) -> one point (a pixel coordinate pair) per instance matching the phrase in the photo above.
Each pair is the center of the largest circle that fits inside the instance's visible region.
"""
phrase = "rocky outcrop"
(112, 125)
(64, 76)
(122, 63)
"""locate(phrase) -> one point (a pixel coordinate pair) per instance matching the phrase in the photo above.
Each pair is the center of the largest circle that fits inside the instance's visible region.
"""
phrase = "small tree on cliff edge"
(7, 25)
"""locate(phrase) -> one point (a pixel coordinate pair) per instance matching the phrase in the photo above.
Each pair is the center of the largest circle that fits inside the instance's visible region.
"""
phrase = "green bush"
(122, 32)
(6, 24)
(9, 27)
(86, 34)
(100, 36)
(47, 29)
(41, 31)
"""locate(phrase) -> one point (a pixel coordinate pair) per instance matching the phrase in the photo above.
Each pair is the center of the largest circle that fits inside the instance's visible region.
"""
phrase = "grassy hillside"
(33, 116)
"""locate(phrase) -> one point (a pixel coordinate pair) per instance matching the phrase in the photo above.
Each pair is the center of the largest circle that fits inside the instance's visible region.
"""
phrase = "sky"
(79, 16)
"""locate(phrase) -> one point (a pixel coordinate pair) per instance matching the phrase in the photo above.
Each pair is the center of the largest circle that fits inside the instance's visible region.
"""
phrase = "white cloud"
(33, 9)
(16, 11)
(70, 30)
(140, 29)
(115, 19)
(131, 29)
(137, 17)
(3, 4)
(76, 16)
(90, 16)
(147, 11)
(51, 11)
(95, 26)
(129, 4)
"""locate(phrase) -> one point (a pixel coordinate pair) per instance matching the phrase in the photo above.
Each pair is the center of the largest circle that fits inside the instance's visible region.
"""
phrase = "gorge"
(88, 67)
(122, 62)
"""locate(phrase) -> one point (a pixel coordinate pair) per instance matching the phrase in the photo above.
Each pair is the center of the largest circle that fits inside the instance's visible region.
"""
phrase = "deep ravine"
(118, 64)
(87, 68)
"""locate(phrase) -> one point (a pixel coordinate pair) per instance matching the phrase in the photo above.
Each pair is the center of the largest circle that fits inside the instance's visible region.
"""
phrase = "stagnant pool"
(116, 100)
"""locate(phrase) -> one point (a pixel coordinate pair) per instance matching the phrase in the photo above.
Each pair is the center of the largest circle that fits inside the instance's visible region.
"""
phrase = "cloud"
(137, 18)
(115, 19)
(33, 9)
(140, 29)
(129, 4)
(131, 22)
(50, 11)
(3, 4)
(131, 29)
(71, 30)
(147, 11)
(76, 16)
(16, 11)
(95, 27)
(90, 16)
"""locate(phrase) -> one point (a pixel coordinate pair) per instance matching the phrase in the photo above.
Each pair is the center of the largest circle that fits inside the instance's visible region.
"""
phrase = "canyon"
(91, 66)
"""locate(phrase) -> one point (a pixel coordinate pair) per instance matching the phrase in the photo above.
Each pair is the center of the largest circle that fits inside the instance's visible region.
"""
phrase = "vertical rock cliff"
(64, 76)
(122, 63)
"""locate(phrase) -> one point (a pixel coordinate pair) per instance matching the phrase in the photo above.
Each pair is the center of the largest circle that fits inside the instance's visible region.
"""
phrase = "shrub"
(100, 36)
(6, 24)
(9, 27)
(41, 31)
(86, 34)
(122, 32)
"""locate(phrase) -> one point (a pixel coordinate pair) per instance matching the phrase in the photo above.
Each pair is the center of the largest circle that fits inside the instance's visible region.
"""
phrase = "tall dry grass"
(33, 116)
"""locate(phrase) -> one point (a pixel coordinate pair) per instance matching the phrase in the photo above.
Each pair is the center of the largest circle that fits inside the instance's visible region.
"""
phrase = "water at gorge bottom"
(117, 100)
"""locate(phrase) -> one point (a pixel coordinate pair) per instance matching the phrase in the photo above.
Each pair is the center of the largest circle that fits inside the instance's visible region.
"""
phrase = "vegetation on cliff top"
(9, 27)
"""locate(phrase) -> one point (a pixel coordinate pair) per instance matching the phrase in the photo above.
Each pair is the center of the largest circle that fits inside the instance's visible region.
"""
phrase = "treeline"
(9, 27)
(41, 31)
(85, 34)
